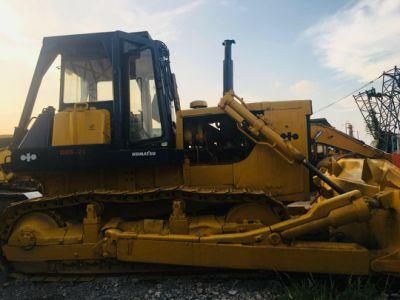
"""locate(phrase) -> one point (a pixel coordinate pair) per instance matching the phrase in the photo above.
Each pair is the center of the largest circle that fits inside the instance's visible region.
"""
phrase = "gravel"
(205, 286)
(210, 285)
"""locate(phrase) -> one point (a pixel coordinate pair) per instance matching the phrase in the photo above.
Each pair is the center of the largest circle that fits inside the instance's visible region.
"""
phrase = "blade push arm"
(248, 122)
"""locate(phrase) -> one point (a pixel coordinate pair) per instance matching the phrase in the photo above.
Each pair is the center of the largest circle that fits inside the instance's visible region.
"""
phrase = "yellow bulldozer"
(130, 180)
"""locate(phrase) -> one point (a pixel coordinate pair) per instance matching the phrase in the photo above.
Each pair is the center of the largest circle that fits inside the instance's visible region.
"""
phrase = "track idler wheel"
(35, 229)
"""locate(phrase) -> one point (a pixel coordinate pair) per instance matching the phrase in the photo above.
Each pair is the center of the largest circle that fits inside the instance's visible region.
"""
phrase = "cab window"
(144, 118)
(87, 79)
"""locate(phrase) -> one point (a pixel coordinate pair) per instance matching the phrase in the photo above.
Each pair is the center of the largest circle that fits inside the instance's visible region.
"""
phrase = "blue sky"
(305, 49)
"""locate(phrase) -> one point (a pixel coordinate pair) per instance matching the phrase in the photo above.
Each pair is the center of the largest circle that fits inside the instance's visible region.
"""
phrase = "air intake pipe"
(228, 66)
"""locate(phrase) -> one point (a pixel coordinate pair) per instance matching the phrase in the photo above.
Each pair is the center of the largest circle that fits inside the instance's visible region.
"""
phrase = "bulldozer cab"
(117, 93)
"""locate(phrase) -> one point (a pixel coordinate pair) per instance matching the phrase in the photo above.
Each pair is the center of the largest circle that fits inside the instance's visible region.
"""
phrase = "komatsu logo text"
(144, 153)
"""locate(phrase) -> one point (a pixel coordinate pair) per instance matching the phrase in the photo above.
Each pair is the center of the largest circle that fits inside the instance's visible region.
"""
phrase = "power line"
(348, 95)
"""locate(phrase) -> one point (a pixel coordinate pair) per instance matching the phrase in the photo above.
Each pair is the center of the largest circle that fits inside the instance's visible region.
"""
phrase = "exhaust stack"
(228, 66)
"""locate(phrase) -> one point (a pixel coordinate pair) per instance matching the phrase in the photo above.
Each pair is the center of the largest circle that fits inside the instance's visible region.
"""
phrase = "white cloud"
(23, 24)
(361, 40)
(277, 84)
(347, 104)
(303, 88)
(45, 17)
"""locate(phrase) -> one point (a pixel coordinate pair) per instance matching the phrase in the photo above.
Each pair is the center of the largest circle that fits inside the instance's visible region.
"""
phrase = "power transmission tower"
(381, 110)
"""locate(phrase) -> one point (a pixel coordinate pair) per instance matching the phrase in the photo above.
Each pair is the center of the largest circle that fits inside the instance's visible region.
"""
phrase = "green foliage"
(310, 288)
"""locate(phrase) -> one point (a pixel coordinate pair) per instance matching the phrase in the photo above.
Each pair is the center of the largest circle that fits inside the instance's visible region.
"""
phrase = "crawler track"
(80, 270)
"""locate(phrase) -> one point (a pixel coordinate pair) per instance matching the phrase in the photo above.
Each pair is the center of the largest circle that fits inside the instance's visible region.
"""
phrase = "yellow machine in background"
(5, 155)
(325, 135)
(130, 178)
(4, 175)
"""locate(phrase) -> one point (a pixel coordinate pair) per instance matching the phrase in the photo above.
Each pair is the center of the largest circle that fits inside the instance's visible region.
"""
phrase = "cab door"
(148, 120)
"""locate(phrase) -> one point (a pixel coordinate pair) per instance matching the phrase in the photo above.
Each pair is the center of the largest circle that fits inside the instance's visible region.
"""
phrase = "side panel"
(63, 170)
(58, 183)
(263, 168)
